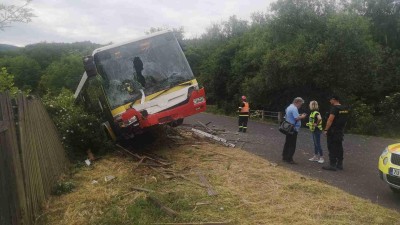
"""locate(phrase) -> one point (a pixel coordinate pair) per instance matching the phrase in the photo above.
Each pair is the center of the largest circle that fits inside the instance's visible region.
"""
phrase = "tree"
(7, 82)
(26, 71)
(64, 73)
(12, 13)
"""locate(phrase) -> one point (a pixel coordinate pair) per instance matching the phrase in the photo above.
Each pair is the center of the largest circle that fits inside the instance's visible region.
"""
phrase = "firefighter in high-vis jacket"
(244, 112)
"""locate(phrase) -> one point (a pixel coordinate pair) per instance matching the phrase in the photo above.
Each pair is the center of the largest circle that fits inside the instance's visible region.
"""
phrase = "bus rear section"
(141, 83)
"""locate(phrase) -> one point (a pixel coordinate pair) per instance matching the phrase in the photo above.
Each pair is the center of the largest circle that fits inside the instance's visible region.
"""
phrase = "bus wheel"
(176, 123)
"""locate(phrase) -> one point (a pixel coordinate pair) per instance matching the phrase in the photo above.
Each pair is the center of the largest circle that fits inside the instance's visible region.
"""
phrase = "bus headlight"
(199, 100)
(125, 123)
(130, 121)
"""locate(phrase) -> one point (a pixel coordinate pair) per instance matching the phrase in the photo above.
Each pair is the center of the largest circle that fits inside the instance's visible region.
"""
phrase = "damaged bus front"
(139, 84)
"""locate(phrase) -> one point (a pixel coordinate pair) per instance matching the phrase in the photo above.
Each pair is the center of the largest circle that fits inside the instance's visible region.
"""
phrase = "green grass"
(250, 191)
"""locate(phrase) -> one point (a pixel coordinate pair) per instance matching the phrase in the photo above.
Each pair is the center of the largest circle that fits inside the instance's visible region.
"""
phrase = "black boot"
(331, 167)
(339, 165)
(240, 130)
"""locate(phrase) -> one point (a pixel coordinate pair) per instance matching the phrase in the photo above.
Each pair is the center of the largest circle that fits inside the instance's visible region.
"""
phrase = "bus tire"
(176, 123)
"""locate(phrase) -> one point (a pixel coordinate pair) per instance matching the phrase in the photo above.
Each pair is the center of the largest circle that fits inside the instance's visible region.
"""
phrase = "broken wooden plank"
(141, 189)
(221, 140)
(166, 209)
(210, 189)
(194, 182)
(205, 127)
(127, 151)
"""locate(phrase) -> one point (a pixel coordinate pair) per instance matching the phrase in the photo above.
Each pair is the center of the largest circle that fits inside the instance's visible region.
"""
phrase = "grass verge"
(250, 190)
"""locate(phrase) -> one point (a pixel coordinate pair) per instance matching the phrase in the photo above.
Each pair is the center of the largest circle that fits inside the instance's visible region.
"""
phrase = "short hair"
(298, 100)
(314, 105)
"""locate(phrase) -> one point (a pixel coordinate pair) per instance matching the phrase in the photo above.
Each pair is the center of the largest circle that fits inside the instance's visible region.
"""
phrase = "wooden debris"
(216, 138)
(204, 181)
(141, 189)
(166, 209)
(156, 162)
(194, 182)
(202, 203)
(205, 127)
(127, 151)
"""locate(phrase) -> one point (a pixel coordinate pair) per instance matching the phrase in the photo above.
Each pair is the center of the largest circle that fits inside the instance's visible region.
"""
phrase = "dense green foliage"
(310, 49)
(79, 130)
(47, 66)
(7, 82)
(47, 69)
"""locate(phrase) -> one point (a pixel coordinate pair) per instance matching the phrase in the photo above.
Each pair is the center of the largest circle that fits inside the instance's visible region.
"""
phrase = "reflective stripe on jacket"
(244, 111)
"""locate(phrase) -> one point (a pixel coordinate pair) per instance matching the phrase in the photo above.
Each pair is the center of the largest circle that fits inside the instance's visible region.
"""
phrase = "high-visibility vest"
(245, 108)
(312, 120)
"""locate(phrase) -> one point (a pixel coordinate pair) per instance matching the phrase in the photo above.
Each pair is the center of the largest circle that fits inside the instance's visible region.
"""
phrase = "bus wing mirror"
(90, 67)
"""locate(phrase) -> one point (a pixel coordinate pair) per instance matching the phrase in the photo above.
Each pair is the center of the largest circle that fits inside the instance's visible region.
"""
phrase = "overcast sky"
(105, 21)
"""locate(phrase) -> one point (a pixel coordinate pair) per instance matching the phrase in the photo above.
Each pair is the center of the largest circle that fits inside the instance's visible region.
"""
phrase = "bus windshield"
(145, 66)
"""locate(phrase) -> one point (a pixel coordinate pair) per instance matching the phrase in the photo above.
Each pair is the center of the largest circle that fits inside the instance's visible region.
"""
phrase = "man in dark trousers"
(293, 117)
(244, 112)
(334, 130)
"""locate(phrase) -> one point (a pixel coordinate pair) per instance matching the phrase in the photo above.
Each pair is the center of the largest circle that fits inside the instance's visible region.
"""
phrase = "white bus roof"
(130, 41)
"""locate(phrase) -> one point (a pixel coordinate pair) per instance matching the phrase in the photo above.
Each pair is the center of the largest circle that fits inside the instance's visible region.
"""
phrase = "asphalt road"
(359, 177)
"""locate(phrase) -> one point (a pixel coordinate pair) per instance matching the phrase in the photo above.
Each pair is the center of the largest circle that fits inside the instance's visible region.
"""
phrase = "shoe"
(339, 165)
(331, 168)
(314, 159)
(321, 160)
(291, 162)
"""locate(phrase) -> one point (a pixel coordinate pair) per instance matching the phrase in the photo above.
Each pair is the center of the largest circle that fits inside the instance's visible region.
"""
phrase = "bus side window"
(94, 95)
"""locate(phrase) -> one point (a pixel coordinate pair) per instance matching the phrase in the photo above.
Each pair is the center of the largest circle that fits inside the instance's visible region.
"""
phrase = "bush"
(389, 114)
(362, 120)
(63, 188)
(78, 129)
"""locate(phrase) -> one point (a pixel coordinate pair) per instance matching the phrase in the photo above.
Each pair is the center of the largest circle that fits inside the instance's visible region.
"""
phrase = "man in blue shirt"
(293, 117)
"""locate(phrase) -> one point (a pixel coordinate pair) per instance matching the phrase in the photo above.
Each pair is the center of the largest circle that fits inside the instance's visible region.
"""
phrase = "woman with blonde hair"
(315, 125)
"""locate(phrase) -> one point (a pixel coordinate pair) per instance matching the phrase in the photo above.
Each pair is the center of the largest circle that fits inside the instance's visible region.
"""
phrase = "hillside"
(5, 48)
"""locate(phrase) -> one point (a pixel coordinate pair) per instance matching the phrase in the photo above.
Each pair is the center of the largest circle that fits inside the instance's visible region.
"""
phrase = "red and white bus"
(139, 84)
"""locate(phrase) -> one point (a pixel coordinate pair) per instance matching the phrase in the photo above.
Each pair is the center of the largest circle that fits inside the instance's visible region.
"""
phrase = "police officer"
(244, 112)
(334, 130)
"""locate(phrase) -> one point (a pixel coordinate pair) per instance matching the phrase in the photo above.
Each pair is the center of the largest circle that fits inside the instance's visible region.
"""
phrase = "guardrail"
(264, 114)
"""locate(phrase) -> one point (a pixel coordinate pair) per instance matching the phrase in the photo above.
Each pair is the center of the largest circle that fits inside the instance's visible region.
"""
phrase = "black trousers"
(243, 123)
(290, 147)
(335, 147)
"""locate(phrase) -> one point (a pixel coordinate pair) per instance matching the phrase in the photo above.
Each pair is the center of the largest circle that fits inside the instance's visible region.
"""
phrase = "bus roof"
(130, 41)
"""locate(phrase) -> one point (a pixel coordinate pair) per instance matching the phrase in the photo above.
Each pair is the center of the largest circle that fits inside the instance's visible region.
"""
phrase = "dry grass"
(250, 191)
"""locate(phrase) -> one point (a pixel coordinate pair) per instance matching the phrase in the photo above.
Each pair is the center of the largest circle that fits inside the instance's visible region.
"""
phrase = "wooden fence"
(31, 159)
